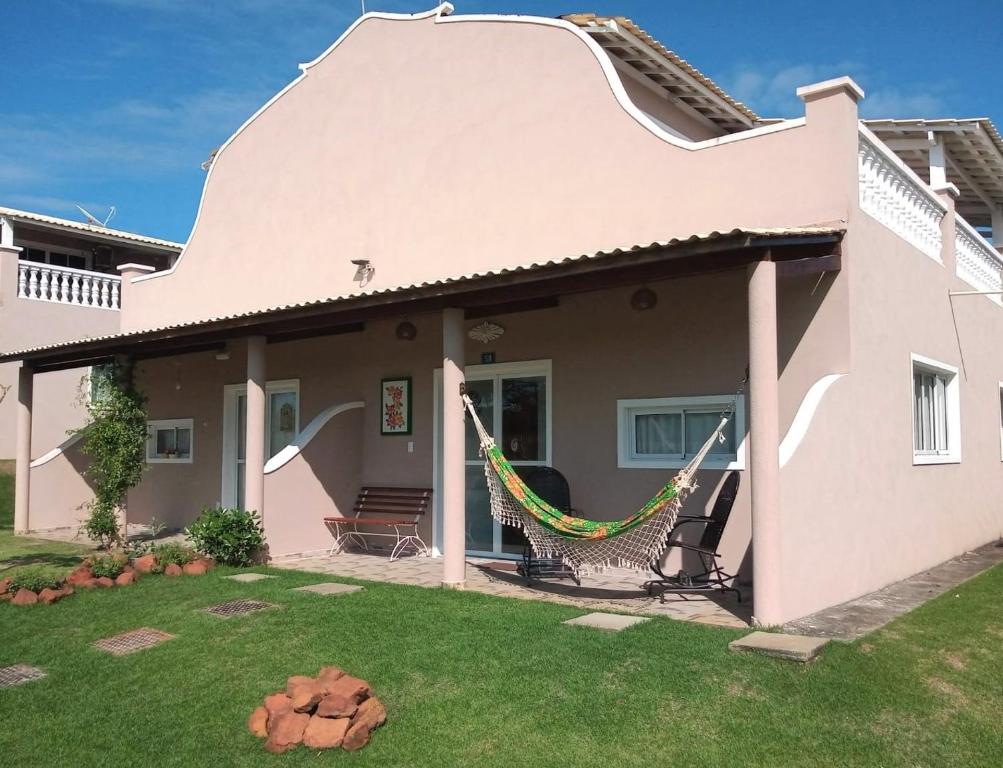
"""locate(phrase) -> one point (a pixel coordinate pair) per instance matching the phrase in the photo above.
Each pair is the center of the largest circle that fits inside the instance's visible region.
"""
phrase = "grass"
(475, 680)
(51, 557)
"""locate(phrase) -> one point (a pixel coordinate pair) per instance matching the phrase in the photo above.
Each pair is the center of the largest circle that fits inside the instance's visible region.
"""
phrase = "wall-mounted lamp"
(223, 354)
(406, 331)
(364, 271)
(643, 299)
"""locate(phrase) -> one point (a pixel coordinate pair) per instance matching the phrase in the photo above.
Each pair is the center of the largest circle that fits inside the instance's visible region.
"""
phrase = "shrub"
(228, 536)
(36, 579)
(172, 552)
(108, 565)
(102, 525)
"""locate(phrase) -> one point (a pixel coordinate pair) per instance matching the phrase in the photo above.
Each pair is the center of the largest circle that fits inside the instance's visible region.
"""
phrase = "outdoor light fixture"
(643, 299)
(364, 270)
(406, 331)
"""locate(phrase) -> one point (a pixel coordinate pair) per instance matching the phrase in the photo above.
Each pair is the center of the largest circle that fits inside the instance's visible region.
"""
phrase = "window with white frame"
(666, 432)
(936, 420)
(57, 257)
(169, 441)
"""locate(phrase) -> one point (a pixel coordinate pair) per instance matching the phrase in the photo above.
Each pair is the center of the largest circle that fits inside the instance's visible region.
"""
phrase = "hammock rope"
(589, 546)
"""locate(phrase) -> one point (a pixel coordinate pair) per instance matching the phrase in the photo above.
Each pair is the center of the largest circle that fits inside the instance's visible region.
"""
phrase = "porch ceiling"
(811, 248)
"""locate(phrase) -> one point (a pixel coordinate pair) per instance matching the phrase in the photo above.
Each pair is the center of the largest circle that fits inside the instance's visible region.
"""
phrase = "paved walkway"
(856, 618)
(618, 591)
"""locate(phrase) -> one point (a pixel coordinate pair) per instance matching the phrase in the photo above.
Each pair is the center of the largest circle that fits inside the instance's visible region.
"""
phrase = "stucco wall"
(485, 144)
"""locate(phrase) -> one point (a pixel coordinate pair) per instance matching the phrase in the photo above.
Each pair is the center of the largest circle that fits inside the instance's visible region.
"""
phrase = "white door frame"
(231, 393)
(473, 372)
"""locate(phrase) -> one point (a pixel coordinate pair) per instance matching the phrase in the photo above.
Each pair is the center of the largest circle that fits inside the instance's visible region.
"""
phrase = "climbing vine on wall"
(114, 439)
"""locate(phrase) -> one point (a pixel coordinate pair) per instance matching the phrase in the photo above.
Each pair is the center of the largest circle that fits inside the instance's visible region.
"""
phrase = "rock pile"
(328, 711)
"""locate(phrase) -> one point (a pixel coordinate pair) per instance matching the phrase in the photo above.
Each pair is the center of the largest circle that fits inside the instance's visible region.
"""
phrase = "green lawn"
(475, 680)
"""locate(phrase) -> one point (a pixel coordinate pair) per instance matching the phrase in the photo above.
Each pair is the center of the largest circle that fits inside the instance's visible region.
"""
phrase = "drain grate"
(19, 673)
(130, 642)
(237, 608)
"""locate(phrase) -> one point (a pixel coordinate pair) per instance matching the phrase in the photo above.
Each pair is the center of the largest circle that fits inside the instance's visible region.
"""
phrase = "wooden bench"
(400, 509)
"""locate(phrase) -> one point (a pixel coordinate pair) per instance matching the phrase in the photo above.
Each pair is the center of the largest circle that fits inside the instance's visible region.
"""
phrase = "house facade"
(59, 281)
(606, 250)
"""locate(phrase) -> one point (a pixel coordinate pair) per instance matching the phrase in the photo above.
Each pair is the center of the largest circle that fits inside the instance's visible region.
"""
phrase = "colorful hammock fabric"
(586, 546)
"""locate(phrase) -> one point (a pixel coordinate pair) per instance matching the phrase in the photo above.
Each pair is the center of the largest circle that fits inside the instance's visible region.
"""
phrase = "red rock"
(195, 568)
(295, 681)
(128, 569)
(5, 596)
(257, 723)
(336, 705)
(173, 570)
(278, 749)
(145, 564)
(5, 585)
(126, 578)
(306, 696)
(89, 584)
(49, 596)
(356, 738)
(287, 729)
(24, 597)
(104, 581)
(208, 561)
(277, 704)
(322, 733)
(371, 712)
(79, 576)
(328, 676)
(66, 591)
(351, 688)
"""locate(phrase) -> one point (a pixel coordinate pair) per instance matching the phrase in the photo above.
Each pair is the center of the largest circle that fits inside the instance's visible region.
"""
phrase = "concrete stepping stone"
(232, 608)
(247, 578)
(608, 622)
(130, 642)
(792, 647)
(19, 674)
(330, 588)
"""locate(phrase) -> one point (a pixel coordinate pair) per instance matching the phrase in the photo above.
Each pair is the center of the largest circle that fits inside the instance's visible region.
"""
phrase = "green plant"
(172, 552)
(140, 547)
(228, 536)
(115, 441)
(35, 579)
(108, 565)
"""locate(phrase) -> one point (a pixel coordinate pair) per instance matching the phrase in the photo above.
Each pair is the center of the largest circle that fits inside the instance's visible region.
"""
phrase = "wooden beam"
(799, 267)
(510, 307)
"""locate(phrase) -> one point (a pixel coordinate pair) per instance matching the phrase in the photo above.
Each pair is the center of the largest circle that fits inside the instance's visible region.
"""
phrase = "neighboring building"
(59, 281)
(429, 173)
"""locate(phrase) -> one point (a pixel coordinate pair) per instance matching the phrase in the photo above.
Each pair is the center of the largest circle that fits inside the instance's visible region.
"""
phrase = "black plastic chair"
(712, 577)
(551, 486)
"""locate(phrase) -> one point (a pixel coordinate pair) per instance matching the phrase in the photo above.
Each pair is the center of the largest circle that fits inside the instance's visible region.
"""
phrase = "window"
(58, 258)
(100, 380)
(667, 432)
(169, 441)
(936, 422)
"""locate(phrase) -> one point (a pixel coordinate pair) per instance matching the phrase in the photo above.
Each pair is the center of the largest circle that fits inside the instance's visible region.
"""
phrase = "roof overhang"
(801, 250)
(973, 151)
(650, 61)
(88, 231)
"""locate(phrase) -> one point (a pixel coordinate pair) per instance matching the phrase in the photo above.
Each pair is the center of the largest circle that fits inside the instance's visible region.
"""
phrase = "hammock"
(587, 546)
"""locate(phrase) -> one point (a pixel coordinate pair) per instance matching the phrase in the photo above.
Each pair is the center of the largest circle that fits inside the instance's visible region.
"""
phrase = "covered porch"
(577, 337)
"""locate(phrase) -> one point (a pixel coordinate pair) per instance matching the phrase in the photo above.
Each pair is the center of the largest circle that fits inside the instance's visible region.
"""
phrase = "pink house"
(600, 242)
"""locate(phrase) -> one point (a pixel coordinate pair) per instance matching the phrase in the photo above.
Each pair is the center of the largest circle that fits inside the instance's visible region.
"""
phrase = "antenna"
(92, 219)
(363, 7)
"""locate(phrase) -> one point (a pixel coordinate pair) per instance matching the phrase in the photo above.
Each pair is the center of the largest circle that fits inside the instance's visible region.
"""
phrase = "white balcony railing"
(891, 193)
(979, 264)
(64, 285)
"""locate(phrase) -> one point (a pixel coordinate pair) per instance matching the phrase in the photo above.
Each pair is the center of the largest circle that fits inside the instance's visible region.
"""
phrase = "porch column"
(764, 436)
(22, 451)
(454, 526)
(254, 428)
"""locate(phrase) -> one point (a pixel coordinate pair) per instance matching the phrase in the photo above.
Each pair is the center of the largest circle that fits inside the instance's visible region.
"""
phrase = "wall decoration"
(395, 406)
(406, 331)
(486, 332)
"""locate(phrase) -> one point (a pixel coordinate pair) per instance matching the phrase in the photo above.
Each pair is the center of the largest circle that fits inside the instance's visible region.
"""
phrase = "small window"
(667, 432)
(936, 422)
(101, 380)
(169, 441)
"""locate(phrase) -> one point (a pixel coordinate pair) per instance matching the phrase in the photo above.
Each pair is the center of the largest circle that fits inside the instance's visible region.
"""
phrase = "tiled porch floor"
(617, 591)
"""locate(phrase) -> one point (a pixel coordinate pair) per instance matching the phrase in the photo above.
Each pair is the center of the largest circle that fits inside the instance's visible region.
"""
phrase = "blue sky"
(119, 101)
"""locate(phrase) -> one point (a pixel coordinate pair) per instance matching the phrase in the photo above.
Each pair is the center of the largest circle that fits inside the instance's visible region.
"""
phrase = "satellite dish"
(92, 219)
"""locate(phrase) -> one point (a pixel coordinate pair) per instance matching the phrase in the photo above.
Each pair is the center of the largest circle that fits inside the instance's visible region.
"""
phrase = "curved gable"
(437, 147)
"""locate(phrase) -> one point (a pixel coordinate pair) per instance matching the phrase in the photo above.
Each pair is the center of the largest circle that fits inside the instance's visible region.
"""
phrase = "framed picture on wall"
(395, 406)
